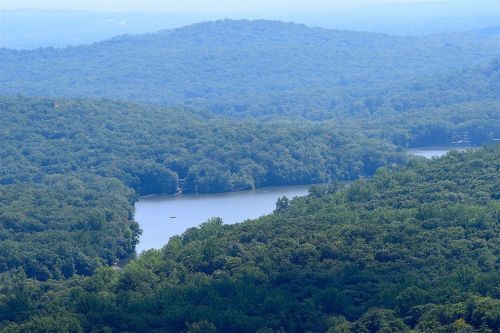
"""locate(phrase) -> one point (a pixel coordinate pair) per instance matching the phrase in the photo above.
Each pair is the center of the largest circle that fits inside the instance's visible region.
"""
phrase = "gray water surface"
(163, 216)
(430, 152)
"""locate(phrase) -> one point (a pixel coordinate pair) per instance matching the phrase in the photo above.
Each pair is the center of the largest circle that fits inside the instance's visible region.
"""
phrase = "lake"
(163, 216)
(429, 152)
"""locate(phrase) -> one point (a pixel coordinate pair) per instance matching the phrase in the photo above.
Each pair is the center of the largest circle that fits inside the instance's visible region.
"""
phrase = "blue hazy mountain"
(32, 28)
(252, 62)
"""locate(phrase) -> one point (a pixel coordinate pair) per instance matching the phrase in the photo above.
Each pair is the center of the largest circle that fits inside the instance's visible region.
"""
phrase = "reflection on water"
(429, 152)
(163, 216)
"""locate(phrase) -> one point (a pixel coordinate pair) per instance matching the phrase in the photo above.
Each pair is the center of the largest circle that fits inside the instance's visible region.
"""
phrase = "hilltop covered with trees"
(248, 67)
(72, 169)
(156, 150)
(414, 250)
(235, 105)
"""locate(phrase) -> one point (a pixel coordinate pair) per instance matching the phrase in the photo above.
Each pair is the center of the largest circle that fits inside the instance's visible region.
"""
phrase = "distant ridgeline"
(266, 68)
(409, 251)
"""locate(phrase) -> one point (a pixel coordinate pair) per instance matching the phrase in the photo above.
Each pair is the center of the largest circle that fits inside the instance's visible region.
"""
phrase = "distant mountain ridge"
(33, 28)
(208, 64)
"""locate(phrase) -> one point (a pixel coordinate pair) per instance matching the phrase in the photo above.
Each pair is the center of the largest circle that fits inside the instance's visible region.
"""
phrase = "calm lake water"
(155, 213)
(163, 216)
(429, 152)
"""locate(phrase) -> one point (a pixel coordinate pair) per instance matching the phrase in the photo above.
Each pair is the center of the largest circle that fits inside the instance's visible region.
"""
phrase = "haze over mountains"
(92, 21)
(209, 64)
(384, 242)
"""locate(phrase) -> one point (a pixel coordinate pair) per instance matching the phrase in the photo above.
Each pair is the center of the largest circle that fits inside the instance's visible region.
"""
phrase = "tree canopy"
(250, 68)
(412, 250)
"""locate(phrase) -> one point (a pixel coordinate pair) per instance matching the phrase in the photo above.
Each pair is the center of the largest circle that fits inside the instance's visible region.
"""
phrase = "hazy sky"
(207, 6)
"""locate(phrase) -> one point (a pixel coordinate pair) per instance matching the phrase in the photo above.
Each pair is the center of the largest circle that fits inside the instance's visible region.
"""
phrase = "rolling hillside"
(216, 63)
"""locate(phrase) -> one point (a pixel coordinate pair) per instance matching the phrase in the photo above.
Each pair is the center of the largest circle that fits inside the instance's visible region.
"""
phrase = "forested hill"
(408, 251)
(157, 150)
(71, 169)
(209, 64)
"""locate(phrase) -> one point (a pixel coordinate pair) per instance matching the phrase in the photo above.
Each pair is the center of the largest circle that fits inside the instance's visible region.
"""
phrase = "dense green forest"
(246, 67)
(65, 225)
(408, 245)
(96, 152)
(72, 169)
(409, 250)
(155, 150)
(463, 123)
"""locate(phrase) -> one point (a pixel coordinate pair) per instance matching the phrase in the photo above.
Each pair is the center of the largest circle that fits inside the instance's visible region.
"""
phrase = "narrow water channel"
(163, 216)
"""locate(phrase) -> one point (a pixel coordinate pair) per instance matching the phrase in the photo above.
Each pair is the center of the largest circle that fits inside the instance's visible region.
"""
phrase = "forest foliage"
(413, 245)
(409, 250)
(72, 170)
(253, 68)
